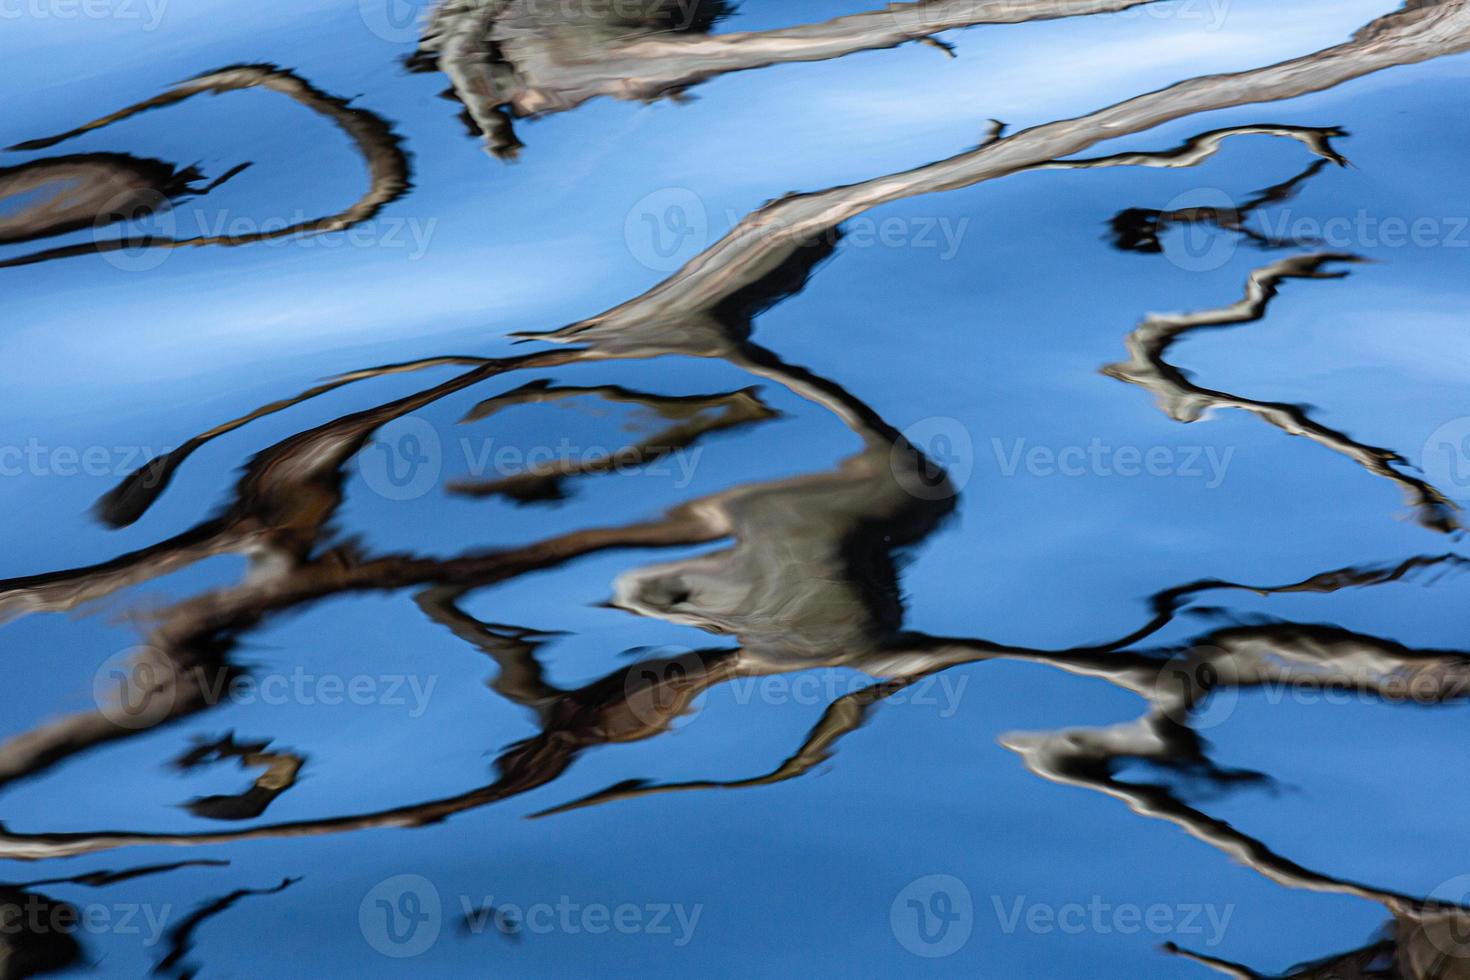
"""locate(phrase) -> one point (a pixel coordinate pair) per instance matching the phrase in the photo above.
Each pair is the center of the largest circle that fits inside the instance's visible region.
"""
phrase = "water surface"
(793, 525)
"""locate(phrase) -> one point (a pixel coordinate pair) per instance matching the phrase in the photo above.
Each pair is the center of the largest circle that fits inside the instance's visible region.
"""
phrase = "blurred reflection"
(181, 936)
(38, 934)
(806, 573)
(66, 194)
(1141, 229)
(1423, 942)
(1185, 401)
(280, 773)
(55, 196)
(29, 951)
(834, 534)
(691, 418)
(509, 59)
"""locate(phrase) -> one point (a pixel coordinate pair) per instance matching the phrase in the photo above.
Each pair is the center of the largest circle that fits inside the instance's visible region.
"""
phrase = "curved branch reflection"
(113, 191)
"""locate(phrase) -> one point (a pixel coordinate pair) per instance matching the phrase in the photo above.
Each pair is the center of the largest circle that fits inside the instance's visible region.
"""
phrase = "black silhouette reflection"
(1141, 229)
(38, 933)
(181, 936)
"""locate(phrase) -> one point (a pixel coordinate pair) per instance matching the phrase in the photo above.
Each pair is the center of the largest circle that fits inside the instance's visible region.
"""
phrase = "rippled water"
(617, 487)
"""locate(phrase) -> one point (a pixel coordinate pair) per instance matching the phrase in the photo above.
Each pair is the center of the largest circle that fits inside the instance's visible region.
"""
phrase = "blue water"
(976, 324)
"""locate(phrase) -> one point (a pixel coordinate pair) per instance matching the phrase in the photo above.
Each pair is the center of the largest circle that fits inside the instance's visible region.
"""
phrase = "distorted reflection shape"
(106, 189)
(806, 571)
(1184, 401)
(509, 59)
(290, 491)
(281, 769)
(38, 933)
(59, 195)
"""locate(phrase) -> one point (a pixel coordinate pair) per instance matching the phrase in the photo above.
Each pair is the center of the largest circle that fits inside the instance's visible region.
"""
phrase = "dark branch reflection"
(100, 190)
(38, 932)
(59, 195)
(1185, 401)
(181, 936)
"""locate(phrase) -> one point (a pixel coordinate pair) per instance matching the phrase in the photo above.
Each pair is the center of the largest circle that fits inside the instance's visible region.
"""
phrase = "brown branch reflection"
(1185, 401)
(114, 188)
(690, 416)
(59, 195)
(1140, 229)
(281, 770)
(508, 59)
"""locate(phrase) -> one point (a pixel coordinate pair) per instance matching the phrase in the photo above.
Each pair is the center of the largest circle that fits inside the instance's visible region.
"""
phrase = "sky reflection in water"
(822, 435)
